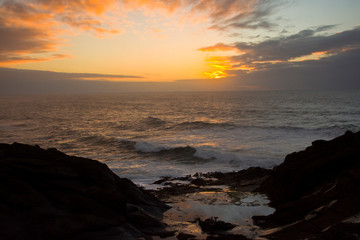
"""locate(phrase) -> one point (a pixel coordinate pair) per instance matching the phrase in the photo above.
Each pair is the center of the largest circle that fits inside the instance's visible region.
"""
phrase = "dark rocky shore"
(46, 194)
(316, 192)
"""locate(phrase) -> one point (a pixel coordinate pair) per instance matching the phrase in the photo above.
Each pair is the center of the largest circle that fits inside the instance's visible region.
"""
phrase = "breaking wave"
(191, 154)
(200, 124)
(153, 121)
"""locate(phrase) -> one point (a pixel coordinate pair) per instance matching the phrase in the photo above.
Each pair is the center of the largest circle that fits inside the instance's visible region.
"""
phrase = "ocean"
(143, 136)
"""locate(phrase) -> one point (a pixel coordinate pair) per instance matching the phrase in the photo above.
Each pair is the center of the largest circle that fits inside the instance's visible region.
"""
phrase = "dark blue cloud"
(339, 71)
(297, 45)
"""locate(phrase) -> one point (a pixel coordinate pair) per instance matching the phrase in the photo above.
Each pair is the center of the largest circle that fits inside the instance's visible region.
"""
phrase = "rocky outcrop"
(316, 192)
(46, 194)
(248, 180)
(212, 225)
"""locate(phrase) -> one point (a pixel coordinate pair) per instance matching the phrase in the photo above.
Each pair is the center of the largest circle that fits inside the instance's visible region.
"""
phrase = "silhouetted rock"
(184, 236)
(162, 180)
(212, 225)
(46, 194)
(247, 180)
(315, 190)
(227, 237)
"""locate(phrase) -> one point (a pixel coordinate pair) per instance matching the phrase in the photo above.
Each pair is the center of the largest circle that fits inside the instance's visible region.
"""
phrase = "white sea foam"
(180, 133)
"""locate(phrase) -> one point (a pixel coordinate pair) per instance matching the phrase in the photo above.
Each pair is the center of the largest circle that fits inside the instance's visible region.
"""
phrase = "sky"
(140, 45)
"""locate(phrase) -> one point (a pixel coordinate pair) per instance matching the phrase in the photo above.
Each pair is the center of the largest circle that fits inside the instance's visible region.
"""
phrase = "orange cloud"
(87, 15)
(288, 53)
(81, 14)
(244, 67)
(168, 6)
(21, 44)
(221, 14)
(313, 56)
(224, 10)
(31, 30)
(218, 66)
(46, 22)
(223, 65)
(218, 47)
(17, 59)
(216, 74)
(87, 24)
(96, 7)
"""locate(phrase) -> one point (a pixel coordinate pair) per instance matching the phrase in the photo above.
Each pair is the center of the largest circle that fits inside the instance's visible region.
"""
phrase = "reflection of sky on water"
(204, 205)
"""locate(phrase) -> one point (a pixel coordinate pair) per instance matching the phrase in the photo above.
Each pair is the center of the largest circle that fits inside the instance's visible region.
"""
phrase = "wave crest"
(199, 124)
(153, 121)
(146, 147)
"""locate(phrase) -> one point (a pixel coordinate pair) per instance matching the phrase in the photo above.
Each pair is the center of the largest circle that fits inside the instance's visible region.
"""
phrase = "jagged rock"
(162, 180)
(212, 225)
(315, 190)
(227, 237)
(46, 194)
(247, 180)
(184, 236)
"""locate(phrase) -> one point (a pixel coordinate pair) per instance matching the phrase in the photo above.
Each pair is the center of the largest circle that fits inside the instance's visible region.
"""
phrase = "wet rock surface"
(208, 206)
(184, 236)
(316, 194)
(248, 180)
(46, 194)
(227, 237)
(316, 191)
(212, 225)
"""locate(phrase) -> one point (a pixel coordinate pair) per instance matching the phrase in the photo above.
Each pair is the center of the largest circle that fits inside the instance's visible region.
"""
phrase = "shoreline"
(218, 199)
(314, 193)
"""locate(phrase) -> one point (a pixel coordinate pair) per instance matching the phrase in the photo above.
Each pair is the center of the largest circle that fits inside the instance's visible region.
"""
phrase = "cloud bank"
(35, 30)
(18, 82)
(21, 74)
(307, 59)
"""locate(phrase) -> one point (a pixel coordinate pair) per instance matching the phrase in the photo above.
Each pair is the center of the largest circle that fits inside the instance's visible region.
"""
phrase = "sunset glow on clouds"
(165, 40)
(42, 26)
(304, 46)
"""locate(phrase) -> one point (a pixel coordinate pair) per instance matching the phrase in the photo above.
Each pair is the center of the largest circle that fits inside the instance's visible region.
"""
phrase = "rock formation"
(316, 192)
(46, 194)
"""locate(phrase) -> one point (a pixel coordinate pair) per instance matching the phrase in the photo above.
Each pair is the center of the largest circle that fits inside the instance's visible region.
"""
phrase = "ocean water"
(143, 136)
